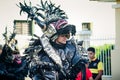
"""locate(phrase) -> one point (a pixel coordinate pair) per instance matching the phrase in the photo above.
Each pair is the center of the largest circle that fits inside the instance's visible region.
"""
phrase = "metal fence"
(103, 46)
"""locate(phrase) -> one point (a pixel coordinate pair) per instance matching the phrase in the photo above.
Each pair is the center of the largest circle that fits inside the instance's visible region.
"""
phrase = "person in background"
(88, 73)
(95, 65)
(11, 65)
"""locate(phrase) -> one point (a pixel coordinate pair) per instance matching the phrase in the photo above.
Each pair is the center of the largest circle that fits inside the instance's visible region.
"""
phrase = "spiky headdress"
(49, 17)
(9, 47)
(10, 40)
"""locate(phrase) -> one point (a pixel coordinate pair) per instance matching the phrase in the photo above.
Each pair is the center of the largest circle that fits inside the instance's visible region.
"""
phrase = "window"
(23, 27)
(86, 26)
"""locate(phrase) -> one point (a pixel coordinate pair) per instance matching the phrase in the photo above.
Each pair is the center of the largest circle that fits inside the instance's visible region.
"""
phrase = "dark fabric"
(93, 65)
(12, 71)
(94, 76)
(67, 54)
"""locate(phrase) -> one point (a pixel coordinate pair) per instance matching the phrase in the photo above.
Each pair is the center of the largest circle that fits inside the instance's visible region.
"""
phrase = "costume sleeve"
(100, 66)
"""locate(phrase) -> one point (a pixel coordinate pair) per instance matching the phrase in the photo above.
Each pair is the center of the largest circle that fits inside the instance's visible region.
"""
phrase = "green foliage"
(103, 53)
(103, 49)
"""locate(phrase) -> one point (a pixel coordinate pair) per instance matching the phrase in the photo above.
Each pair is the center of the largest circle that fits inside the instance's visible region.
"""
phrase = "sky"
(100, 14)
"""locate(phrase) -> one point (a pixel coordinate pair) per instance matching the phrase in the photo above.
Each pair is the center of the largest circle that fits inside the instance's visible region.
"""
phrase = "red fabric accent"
(88, 75)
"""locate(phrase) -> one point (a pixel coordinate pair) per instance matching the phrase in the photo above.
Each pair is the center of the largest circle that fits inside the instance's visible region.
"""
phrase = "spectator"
(88, 74)
(95, 65)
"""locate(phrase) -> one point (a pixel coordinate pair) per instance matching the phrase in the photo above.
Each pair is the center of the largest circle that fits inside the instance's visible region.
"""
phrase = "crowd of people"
(54, 55)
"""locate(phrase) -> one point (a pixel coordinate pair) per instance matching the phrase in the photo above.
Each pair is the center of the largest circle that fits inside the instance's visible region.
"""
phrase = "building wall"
(116, 52)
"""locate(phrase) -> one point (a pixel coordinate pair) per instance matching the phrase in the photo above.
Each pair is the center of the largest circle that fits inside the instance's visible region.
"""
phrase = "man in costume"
(11, 65)
(59, 58)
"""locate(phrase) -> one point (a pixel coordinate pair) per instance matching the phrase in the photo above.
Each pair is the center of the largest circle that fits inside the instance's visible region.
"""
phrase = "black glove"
(80, 66)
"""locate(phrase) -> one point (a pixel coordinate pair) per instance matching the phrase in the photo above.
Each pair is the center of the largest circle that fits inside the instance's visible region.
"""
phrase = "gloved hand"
(80, 66)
